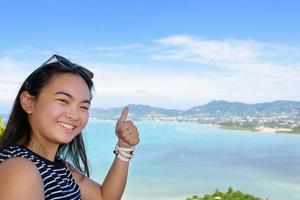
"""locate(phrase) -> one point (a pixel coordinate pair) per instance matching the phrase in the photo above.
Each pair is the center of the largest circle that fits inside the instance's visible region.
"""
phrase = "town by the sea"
(176, 160)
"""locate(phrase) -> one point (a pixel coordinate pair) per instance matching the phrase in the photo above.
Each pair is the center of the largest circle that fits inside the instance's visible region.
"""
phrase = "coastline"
(259, 130)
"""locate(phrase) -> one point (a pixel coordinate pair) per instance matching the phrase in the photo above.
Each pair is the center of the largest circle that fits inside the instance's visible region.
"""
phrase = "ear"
(27, 102)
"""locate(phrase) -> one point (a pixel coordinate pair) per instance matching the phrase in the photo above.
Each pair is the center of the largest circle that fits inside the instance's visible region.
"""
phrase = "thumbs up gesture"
(126, 131)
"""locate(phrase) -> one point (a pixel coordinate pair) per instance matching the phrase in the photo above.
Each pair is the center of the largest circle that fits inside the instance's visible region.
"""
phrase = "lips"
(67, 125)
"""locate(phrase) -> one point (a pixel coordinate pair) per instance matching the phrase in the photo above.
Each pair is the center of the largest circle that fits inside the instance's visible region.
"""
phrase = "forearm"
(128, 136)
(115, 181)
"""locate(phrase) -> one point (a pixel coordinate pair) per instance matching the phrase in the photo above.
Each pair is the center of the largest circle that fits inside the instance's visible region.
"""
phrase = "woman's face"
(61, 110)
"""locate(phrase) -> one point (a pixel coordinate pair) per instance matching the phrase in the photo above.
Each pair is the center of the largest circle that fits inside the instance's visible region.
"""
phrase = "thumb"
(124, 114)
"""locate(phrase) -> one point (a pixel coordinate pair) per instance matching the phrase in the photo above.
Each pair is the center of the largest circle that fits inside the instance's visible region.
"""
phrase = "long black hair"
(18, 130)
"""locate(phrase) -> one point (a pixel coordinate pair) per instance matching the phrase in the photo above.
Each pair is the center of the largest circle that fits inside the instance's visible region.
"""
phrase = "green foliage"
(230, 190)
(296, 129)
(229, 195)
(238, 127)
(2, 127)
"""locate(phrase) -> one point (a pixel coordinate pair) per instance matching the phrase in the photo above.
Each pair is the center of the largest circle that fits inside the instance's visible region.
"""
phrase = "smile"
(65, 125)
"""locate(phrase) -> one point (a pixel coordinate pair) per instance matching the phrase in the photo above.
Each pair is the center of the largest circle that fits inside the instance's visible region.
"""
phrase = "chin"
(65, 140)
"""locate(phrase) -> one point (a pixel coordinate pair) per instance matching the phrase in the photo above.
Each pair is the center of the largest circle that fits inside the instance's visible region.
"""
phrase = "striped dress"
(58, 181)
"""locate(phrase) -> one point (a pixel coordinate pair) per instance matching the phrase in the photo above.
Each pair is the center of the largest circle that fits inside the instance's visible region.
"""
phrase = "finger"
(131, 139)
(126, 125)
(124, 129)
(134, 141)
(127, 137)
(127, 131)
(124, 114)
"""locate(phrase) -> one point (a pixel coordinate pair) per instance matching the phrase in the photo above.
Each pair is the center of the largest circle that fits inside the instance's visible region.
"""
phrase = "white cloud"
(191, 49)
(235, 70)
(250, 70)
(12, 74)
(224, 53)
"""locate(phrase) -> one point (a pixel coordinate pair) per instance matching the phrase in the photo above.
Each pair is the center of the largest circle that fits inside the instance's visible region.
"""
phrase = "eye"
(63, 101)
(84, 108)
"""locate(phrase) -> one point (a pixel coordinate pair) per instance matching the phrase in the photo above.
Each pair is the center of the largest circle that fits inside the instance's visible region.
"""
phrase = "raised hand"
(126, 131)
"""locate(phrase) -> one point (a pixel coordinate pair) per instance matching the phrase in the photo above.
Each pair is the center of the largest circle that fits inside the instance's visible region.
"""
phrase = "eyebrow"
(70, 96)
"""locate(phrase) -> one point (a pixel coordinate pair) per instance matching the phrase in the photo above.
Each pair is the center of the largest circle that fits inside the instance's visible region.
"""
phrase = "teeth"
(68, 126)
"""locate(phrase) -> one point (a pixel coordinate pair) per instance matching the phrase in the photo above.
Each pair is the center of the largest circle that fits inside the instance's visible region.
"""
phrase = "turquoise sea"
(176, 160)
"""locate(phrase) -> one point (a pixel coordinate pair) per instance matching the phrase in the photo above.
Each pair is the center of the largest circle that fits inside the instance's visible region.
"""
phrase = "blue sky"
(171, 53)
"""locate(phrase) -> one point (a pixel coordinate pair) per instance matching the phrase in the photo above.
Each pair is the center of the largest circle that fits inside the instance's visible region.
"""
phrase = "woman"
(44, 131)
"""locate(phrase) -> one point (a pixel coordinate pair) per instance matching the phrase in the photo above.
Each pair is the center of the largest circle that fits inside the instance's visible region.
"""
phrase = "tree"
(230, 190)
(229, 195)
(296, 129)
(2, 127)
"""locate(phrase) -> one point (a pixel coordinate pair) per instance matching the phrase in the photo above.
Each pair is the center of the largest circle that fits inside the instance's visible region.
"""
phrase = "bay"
(176, 160)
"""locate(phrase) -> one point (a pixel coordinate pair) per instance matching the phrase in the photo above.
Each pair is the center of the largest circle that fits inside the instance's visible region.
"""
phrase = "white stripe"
(64, 195)
(56, 186)
(49, 183)
(76, 196)
(61, 169)
(4, 155)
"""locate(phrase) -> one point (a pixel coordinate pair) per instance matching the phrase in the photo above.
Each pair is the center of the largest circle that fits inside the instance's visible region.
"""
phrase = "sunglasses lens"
(86, 72)
(68, 64)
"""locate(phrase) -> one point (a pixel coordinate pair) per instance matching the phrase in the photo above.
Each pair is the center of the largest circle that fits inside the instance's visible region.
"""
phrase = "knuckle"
(123, 130)
(122, 137)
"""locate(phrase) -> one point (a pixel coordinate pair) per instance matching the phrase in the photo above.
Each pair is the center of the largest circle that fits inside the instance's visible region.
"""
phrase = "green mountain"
(216, 108)
(212, 109)
(135, 111)
(225, 108)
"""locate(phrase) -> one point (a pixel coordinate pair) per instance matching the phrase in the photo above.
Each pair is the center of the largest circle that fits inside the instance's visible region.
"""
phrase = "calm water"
(177, 160)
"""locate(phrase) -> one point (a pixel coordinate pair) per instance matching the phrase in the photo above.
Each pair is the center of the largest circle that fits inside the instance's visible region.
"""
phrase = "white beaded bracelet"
(123, 153)
(123, 158)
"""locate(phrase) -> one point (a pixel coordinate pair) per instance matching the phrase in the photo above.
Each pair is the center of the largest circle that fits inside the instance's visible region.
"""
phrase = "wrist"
(124, 153)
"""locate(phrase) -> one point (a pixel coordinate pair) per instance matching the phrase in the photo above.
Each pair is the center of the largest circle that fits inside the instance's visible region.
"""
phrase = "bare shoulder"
(20, 179)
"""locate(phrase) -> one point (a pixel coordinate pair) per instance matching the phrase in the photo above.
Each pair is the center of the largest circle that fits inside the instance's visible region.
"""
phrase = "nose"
(73, 113)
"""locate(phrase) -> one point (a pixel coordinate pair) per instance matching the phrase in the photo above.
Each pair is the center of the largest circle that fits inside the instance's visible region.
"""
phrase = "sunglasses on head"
(61, 62)
(68, 65)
